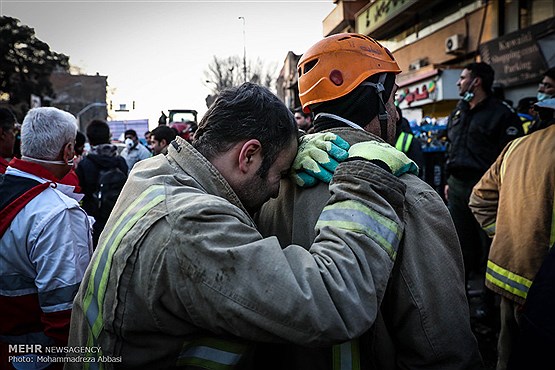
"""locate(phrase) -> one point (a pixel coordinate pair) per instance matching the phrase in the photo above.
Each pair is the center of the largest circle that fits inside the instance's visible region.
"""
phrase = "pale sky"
(156, 52)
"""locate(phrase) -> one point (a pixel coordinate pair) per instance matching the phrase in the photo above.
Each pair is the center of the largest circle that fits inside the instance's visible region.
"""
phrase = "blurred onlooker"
(185, 129)
(520, 182)
(304, 120)
(145, 141)
(7, 137)
(133, 151)
(407, 143)
(80, 141)
(161, 137)
(71, 178)
(477, 130)
(525, 111)
(101, 167)
(45, 239)
(498, 91)
(546, 88)
(546, 113)
(163, 120)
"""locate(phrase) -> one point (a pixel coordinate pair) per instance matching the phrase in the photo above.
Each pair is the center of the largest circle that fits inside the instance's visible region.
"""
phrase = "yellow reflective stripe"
(399, 143)
(355, 216)
(403, 142)
(490, 229)
(89, 365)
(508, 280)
(212, 353)
(96, 288)
(346, 356)
(526, 126)
(512, 147)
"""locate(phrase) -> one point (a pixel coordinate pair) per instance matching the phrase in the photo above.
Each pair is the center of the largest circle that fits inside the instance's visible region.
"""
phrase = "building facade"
(84, 96)
(432, 40)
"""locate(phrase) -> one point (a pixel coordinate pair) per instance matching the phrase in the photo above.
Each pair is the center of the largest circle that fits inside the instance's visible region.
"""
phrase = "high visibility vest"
(403, 142)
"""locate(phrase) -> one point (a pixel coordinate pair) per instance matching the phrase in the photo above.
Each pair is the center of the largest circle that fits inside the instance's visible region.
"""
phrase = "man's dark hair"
(550, 73)
(98, 132)
(7, 119)
(80, 141)
(164, 132)
(525, 104)
(130, 132)
(246, 112)
(484, 72)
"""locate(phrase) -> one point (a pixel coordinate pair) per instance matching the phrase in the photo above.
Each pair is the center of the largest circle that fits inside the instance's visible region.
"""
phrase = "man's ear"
(68, 152)
(477, 82)
(250, 156)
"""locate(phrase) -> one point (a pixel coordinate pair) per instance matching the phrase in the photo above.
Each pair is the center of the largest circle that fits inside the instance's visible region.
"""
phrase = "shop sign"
(380, 12)
(515, 58)
(442, 86)
(424, 91)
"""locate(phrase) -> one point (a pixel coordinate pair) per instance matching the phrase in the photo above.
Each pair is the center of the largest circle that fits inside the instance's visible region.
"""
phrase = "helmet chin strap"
(382, 112)
(338, 118)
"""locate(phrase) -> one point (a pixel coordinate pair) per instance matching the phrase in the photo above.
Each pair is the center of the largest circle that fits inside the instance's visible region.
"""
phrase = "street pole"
(244, 51)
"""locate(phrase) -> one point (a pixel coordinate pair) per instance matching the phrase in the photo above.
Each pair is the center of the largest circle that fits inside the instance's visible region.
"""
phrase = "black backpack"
(110, 183)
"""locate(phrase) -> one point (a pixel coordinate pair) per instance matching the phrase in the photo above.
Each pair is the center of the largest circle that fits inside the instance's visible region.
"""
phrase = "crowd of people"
(279, 239)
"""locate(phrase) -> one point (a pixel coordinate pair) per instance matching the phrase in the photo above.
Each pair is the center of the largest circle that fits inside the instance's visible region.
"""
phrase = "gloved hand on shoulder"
(397, 162)
(317, 158)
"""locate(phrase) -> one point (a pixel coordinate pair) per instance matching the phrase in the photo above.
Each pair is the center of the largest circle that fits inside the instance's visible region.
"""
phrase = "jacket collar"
(33, 169)
(199, 168)
(41, 174)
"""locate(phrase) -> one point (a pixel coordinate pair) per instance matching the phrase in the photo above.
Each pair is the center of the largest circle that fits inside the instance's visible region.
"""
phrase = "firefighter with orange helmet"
(422, 315)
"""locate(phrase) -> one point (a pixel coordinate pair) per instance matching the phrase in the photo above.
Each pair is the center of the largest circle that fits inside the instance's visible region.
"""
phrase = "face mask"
(129, 143)
(469, 94)
(69, 163)
(542, 96)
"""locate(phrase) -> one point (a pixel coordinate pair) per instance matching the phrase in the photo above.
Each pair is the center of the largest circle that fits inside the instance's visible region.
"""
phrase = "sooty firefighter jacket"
(180, 257)
(513, 202)
(423, 320)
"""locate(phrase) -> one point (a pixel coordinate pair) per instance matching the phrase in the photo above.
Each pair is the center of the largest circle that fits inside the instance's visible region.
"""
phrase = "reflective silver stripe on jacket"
(212, 353)
(355, 216)
(346, 356)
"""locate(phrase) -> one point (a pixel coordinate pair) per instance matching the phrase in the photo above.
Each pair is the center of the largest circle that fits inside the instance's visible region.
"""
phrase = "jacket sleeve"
(231, 280)
(61, 253)
(484, 198)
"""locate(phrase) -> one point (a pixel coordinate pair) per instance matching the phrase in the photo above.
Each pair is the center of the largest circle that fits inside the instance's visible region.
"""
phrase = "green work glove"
(396, 160)
(317, 158)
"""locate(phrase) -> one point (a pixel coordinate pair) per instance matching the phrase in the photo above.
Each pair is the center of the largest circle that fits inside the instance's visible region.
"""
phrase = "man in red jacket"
(45, 240)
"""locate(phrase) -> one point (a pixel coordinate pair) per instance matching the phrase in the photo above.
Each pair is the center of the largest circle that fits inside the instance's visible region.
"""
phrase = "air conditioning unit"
(454, 44)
